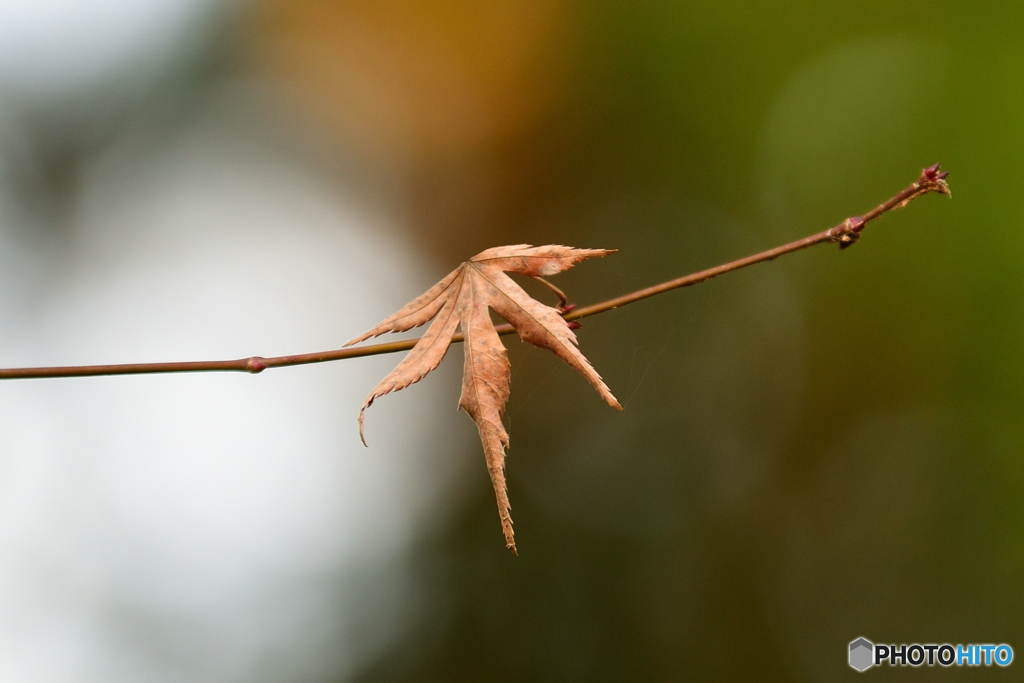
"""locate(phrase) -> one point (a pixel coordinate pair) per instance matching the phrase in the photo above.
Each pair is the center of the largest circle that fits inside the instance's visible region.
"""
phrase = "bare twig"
(845, 234)
(563, 300)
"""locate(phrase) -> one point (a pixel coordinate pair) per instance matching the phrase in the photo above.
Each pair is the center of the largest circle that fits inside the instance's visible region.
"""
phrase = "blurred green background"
(820, 448)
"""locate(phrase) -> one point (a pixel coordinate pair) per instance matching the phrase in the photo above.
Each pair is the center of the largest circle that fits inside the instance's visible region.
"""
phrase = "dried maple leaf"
(462, 299)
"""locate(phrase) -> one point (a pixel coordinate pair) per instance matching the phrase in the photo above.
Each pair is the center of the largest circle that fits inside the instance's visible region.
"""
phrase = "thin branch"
(563, 301)
(845, 234)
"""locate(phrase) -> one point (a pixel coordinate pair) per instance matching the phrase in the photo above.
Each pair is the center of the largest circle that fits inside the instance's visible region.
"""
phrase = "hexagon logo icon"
(862, 654)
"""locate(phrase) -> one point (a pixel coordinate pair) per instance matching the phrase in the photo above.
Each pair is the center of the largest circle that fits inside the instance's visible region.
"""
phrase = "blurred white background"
(193, 527)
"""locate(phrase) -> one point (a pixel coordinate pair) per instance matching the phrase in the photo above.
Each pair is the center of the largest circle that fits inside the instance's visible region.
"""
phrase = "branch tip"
(934, 172)
(933, 179)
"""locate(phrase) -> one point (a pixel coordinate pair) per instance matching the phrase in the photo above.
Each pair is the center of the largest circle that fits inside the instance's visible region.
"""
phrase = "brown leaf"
(462, 299)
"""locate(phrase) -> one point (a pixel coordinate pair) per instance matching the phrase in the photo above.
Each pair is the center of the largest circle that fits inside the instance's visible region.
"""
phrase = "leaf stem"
(845, 234)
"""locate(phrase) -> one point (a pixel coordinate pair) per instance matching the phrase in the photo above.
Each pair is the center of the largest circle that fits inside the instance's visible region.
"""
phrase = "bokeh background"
(821, 448)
